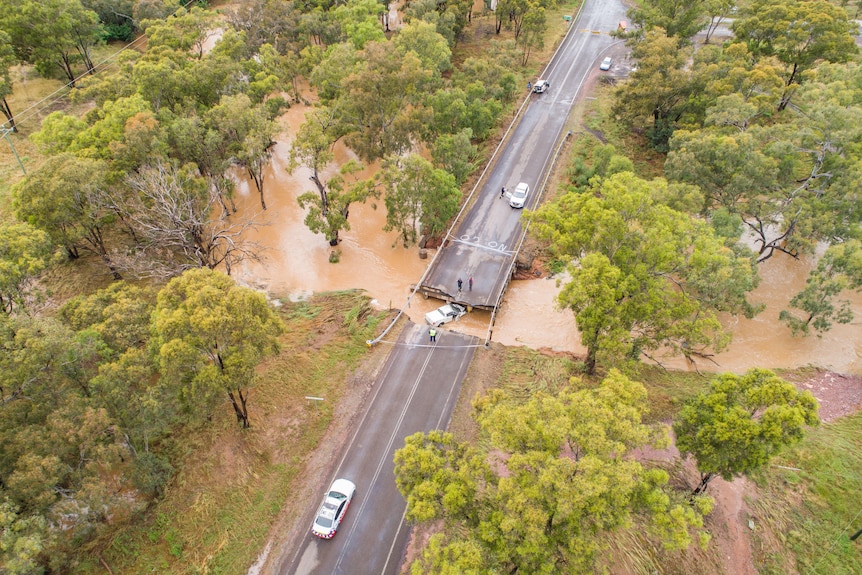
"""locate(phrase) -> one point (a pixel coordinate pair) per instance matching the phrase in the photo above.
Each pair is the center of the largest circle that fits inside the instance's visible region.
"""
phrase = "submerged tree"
(170, 211)
(329, 207)
(838, 270)
(419, 197)
(644, 276)
(210, 334)
(741, 423)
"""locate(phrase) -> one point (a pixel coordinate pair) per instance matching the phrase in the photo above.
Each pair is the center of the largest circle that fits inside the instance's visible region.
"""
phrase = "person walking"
(470, 283)
(502, 192)
(460, 283)
(432, 334)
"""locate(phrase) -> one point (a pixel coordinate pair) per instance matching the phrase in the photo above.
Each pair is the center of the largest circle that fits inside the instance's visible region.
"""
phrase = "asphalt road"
(416, 391)
(485, 240)
(420, 383)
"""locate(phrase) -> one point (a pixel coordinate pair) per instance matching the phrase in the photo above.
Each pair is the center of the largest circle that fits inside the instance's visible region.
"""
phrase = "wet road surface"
(416, 391)
(486, 238)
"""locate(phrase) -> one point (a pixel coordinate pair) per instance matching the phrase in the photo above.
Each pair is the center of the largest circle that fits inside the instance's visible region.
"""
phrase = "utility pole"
(6, 132)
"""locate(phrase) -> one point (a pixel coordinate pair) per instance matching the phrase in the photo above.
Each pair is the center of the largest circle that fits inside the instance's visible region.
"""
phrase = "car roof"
(344, 486)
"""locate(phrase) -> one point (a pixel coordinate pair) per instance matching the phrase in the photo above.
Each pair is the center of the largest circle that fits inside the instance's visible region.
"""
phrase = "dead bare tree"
(171, 213)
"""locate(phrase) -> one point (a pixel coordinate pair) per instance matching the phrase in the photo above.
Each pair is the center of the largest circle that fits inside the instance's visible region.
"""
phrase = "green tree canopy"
(422, 39)
(792, 181)
(7, 60)
(377, 96)
(679, 19)
(360, 21)
(456, 154)
(24, 253)
(741, 423)
(798, 33)
(552, 483)
(210, 334)
(119, 314)
(69, 198)
(420, 199)
(51, 34)
(838, 271)
(22, 541)
(657, 95)
(184, 31)
(644, 276)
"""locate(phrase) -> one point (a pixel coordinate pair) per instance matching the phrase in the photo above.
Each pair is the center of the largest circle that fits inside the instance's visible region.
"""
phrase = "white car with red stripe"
(333, 509)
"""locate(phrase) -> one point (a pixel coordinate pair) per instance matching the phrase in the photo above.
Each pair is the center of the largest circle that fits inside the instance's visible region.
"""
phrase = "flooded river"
(296, 263)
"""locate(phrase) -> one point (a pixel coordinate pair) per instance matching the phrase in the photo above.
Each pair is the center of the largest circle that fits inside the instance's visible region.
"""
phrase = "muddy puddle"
(296, 263)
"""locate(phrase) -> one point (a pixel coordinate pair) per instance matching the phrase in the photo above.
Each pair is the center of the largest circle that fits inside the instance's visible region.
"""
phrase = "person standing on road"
(432, 334)
(470, 283)
(502, 192)
(460, 283)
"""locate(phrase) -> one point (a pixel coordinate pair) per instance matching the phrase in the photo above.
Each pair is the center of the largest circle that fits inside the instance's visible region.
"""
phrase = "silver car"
(606, 64)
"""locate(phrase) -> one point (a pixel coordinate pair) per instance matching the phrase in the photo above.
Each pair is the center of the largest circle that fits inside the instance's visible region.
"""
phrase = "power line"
(837, 539)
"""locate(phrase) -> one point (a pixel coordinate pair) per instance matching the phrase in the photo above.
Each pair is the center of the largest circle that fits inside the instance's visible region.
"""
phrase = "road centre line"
(385, 458)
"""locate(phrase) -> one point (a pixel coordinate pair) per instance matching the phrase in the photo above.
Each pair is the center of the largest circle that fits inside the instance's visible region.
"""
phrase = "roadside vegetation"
(153, 414)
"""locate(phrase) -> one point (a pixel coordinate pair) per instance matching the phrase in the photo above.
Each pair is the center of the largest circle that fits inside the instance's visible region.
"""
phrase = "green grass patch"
(811, 513)
(600, 124)
(669, 390)
(231, 485)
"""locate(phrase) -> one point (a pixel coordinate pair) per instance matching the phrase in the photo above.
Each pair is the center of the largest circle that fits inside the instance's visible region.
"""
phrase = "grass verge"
(809, 511)
(219, 510)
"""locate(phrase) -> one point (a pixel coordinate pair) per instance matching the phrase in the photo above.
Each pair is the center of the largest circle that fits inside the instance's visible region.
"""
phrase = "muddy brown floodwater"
(296, 263)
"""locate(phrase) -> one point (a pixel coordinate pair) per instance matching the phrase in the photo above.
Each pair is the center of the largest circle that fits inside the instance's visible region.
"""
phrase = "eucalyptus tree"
(360, 21)
(741, 422)
(25, 252)
(376, 98)
(52, 34)
(792, 181)
(7, 61)
(800, 34)
(456, 154)
(420, 199)
(210, 334)
(552, 485)
(679, 19)
(838, 272)
(69, 198)
(249, 135)
(329, 205)
(184, 31)
(170, 210)
(644, 276)
(658, 93)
